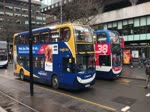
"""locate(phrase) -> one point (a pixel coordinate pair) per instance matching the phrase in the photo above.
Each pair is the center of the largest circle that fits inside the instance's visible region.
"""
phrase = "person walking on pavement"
(147, 71)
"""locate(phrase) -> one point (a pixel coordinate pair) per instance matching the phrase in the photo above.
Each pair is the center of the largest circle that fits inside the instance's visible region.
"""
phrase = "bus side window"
(101, 38)
(64, 34)
(44, 37)
(55, 36)
(16, 40)
(42, 62)
(35, 38)
(21, 39)
(27, 39)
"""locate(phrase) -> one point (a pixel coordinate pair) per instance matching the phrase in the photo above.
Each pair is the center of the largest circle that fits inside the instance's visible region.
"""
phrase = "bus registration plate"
(88, 85)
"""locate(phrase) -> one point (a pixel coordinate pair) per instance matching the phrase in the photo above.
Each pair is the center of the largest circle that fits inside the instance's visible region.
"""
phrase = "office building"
(14, 17)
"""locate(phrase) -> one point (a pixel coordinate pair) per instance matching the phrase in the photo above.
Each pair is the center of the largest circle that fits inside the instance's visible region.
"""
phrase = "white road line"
(2, 109)
(125, 109)
(148, 94)
(17, 102)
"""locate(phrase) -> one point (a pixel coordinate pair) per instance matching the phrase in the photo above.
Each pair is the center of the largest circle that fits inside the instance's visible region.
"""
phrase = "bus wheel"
(55, 82)
(21, 75)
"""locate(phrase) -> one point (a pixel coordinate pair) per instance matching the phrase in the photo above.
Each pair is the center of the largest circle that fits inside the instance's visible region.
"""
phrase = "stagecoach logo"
(102, 48)
(42, 73)
(64, 49)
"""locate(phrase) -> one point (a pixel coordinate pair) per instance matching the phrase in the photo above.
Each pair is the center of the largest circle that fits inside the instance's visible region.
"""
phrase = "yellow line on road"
(74, 97)
(80, 99)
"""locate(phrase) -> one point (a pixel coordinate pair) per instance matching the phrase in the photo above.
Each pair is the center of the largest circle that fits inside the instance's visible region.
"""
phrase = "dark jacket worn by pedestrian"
(147, 66)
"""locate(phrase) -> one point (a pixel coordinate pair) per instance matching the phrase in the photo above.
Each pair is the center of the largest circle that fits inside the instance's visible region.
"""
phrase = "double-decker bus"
(3, 54)
(108, 54)
(63, 56)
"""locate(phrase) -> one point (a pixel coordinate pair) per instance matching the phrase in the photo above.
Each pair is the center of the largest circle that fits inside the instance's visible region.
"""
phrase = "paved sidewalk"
(133, 72)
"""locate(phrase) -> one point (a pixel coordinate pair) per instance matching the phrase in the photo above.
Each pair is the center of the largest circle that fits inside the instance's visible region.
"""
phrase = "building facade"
(14, 17)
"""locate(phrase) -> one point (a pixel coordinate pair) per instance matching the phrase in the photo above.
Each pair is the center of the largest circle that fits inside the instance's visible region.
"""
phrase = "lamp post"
(30, 50)
(61, 11)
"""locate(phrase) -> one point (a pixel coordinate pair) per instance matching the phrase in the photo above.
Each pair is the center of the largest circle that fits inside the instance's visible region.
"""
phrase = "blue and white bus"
(63, 56)
(3, 54)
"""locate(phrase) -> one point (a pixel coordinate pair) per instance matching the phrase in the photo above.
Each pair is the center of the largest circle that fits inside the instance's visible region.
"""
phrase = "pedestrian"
(10, 55)
(147, 71)
(131, 61)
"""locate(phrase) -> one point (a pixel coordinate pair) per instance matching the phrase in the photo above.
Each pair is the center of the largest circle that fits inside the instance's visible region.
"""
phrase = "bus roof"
(100, 31)
(49, 28)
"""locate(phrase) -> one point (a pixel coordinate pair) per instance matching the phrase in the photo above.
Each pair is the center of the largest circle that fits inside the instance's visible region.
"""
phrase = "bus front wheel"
(21, 75)
(55, 82)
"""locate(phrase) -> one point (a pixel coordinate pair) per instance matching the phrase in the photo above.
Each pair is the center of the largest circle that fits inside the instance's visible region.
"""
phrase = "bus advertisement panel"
(63, 56)
(108, 54)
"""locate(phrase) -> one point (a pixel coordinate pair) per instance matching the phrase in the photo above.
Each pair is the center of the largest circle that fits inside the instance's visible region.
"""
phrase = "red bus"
(108, 54)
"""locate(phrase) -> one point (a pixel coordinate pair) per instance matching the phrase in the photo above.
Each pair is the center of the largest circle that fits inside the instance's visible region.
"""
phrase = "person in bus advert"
(48, 54)
(147, 71)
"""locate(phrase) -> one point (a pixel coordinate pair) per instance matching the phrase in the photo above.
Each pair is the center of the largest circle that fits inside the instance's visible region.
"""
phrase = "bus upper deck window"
(44, 37)
(101, 38)
(21, 39)
(64, 34)
(35, 39)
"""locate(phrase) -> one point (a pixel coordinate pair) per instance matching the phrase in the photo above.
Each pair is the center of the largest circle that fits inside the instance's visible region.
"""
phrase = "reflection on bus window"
(83, 34)
(114, 38)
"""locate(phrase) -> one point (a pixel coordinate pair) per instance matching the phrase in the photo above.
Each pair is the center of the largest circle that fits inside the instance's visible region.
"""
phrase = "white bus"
(3, 54)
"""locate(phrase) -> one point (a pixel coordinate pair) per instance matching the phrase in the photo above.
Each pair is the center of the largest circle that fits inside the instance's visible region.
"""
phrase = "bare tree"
(133, 2)
(81, 10)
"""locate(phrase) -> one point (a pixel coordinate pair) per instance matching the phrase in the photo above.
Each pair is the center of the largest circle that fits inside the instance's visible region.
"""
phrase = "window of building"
(136, 22)
(8, 14)
(39, 18)
(119, 24)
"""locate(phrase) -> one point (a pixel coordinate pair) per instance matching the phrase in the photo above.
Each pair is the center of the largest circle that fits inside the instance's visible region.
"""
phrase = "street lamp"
(61, 11)
(30, 50)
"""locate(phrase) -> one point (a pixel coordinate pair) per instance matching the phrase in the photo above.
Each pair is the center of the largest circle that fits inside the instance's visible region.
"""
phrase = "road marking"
(125, 109)
(80, 99)
(18, 102)
(2, 109)
(141, 86)
(64, 94)
(148, 94)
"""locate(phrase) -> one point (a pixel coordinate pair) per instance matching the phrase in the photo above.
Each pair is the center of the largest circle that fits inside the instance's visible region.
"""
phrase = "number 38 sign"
(102, 48)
